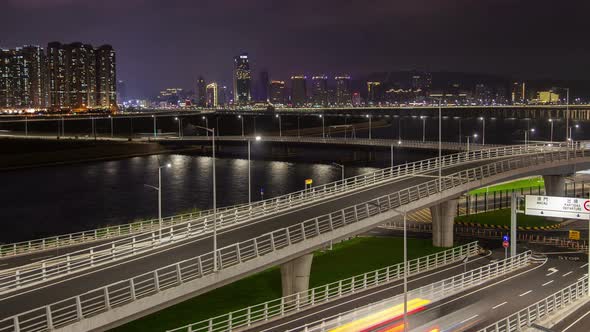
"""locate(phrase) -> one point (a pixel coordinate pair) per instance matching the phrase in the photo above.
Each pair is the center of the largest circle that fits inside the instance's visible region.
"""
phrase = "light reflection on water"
(55, 200)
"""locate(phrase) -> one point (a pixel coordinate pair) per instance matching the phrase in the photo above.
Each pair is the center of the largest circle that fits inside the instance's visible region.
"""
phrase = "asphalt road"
(578, 321)
(74, 284)
(474, 308)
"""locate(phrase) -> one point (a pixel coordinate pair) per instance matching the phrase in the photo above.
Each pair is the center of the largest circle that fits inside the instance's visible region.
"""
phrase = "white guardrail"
(127, 291)
(287, 305)
(542, 309)
(432, 292)
(41, 271)
(271, 205)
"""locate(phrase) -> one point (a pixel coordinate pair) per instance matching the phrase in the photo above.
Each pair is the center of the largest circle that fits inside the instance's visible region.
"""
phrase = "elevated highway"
(171, 274)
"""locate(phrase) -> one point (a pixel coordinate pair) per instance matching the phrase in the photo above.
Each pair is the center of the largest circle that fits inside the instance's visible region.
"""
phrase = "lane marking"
(499, 305)
(567, 274)
(40, 258)
(551, 270)
(547, 283)
(525, 293)
(576, 321)
(583, 266)
(468, 319)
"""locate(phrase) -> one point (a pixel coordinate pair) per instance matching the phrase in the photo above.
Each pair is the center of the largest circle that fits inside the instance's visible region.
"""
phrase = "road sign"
(505, 244)
(561, 207)
(574, 235)
(505, 238)
(308, 182)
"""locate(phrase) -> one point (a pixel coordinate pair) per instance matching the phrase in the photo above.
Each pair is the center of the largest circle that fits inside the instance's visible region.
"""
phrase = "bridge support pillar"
(295, 275)
(554, 185)
(443, 217)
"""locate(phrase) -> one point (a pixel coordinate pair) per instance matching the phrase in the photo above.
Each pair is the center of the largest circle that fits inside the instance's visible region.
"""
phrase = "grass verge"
(509, 186)
(502, 217)
(348, 258)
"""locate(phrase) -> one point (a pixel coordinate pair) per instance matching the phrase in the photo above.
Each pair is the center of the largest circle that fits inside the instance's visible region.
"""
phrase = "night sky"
(166, 43)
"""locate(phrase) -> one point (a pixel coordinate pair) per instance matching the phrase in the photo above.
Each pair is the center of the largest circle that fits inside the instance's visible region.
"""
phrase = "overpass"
(140, 285)
(284, 140)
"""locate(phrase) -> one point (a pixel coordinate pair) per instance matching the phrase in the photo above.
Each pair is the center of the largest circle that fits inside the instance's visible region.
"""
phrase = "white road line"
(468, 319)
(525, 293)
(547, 283)
(567, 274)
(499, 305)
(583, 266)
(551, 271)
(3, 264)
(576, 321)
(40, 258)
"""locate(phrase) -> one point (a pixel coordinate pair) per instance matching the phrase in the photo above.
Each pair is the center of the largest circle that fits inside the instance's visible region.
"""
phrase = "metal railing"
(41, 271)
(544, 308)
(127, 291)
(432, 292)
(272, 205)
(287, 305)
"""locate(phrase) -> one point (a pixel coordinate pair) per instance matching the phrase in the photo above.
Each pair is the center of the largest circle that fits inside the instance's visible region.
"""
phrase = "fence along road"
(188, 277)
(299, 197)
(44, 270)
(288, 305)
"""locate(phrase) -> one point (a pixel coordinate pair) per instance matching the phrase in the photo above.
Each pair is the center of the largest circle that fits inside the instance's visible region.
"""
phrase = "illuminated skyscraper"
(202, 97)
(343, 96)
(298, 90)
(212, 96)
(242, 80)
(22, 78)
(319, 90)
(374, 92)
(277, 92)
(263, 87)
(106, 82)
(81, 77)
(518, 93)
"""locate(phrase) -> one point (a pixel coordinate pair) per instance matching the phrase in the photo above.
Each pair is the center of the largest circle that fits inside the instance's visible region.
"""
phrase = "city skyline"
(282, 38)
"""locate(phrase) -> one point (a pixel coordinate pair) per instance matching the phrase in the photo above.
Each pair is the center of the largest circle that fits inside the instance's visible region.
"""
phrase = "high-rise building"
(212, 96)
(277, 92)
(374, 92)
(298, 90)
(319, 90)
(343, 96)
(242, 80)
(222, 95)
(518, 93)
(106, 81)
(22, 78)
(121, 91)
(263, 86)
(81, 77)
(201, 92)
(56, 74)
(547, 97)
(170, 97)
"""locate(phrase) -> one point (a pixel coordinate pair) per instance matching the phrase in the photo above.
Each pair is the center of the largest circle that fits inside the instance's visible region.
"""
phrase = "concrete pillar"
(295, 275)
(443, 217)
(554, 185)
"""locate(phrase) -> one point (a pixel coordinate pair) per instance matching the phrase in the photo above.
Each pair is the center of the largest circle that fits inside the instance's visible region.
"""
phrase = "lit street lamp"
(342, 167)
(242, 118)
(154, 117)
(323, 127)
(370, 129)
(468, 137)
(258, 138)
(179, 126)
(206, 124)
(159, 190)
(280, 126)
(423, 128)
(526, 136)
(483, 139)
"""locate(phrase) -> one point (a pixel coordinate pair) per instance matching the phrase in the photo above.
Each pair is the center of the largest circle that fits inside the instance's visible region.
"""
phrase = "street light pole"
(439, 145)
(110, 117)
(280, 126)
(483, 140)
(242, 118)
(342, 167)
(370, 126)
(423, 128)
(323, 127)
(155, 135)
(159, 190)
(391, 155)
(551, 122)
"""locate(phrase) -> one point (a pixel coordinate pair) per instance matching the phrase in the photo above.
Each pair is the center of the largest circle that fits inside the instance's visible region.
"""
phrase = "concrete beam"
(295, 275)
(443, 217)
